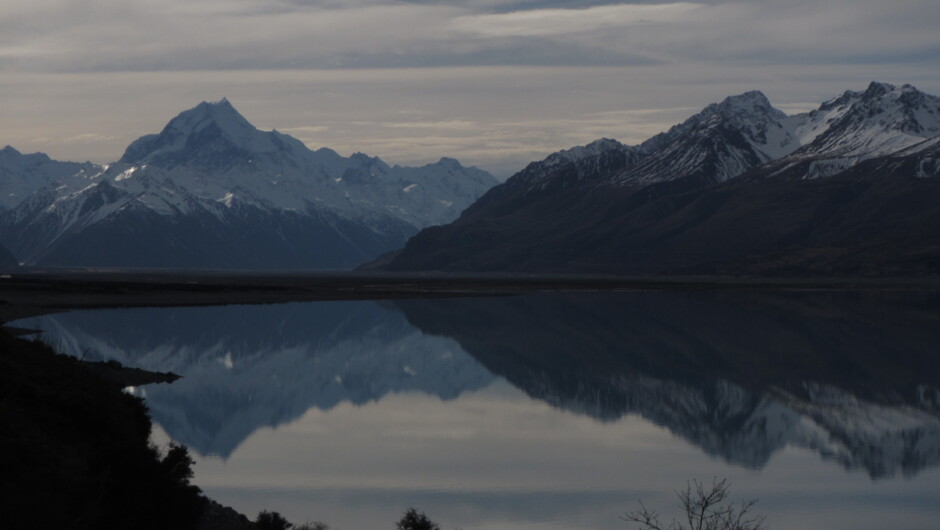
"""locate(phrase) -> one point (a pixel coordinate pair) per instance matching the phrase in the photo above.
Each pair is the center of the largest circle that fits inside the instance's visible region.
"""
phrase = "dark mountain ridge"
(740, 188)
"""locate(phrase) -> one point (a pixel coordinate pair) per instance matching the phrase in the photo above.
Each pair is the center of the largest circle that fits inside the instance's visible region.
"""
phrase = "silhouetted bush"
(177, 464)
(705, 509)
(271, 521)
(412, 520)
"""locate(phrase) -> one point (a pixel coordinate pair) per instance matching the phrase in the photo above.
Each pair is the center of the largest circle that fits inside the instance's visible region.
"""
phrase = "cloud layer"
(491, 82)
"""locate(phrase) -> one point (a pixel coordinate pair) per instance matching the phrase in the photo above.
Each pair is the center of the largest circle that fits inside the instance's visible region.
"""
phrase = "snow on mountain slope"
(766, 129)
(723, 141)
(194, 136)
(215, 153)
(857, 126)
(575, 166)
(883, 119)
(214, 180)
(21, 175)
(744, 133)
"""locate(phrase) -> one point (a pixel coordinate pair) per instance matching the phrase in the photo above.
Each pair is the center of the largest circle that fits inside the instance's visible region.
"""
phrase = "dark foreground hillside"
(75, 451)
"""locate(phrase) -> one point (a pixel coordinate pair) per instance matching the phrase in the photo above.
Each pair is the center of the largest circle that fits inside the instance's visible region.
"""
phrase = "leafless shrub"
(705, 509)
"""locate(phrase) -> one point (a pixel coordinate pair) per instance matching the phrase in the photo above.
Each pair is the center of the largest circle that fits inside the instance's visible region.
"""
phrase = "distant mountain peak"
(12, 153)
(876, 89)
(212, 190)
(749, 99)
(592, 149)
(879, 91)
(746, 109)
(220, 113)
(205, 136)
(884, 118)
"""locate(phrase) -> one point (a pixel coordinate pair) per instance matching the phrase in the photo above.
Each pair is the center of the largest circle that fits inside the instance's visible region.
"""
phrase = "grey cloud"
(82, 79)
(528, 52)
(508, 6)
(111, 36)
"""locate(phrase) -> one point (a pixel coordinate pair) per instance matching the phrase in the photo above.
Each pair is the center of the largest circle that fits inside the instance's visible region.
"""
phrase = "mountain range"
(739, 188)
(212, 191)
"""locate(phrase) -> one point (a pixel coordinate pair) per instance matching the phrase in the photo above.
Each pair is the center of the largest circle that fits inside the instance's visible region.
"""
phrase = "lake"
(546, 411)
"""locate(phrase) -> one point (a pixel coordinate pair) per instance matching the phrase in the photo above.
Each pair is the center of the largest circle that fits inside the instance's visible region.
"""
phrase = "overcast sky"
(494, 83)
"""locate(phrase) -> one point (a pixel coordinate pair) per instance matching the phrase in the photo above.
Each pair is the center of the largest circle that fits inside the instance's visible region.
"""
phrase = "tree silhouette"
(705, 509)
(271, 521)
(413, 520)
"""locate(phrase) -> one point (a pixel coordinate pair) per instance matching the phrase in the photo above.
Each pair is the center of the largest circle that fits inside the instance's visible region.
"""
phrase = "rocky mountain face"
(212, 191)
(740, 188)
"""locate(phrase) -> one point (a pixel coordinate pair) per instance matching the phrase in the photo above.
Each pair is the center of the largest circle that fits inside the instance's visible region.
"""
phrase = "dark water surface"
(547, 411)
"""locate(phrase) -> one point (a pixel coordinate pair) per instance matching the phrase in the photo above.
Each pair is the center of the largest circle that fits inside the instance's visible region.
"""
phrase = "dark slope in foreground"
(75, 451)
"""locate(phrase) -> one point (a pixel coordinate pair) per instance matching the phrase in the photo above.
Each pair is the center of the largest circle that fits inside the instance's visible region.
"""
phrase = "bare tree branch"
(704, 508)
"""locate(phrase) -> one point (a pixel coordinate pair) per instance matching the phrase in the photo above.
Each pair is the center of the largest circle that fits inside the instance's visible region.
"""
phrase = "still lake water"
(546, 411)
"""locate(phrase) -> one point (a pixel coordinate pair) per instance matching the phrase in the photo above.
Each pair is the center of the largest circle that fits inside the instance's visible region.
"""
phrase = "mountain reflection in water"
(853, 376)
(249, 367)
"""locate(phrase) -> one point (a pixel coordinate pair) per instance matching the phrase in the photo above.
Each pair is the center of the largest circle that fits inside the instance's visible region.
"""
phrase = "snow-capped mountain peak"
(594, 148)
(721, 142)
(213, 171)
(749, 103)
(877, 89)
(209, 135)
(857, 126)
(24, 174)
(751, 114)
(571, 166)
(745, 131)
(882, 119)
(220, 113)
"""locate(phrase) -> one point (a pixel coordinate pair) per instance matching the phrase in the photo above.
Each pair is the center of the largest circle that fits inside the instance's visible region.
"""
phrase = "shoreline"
(29, 293)
(73, 429)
